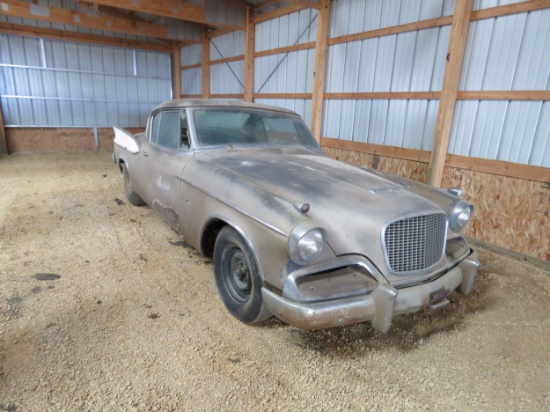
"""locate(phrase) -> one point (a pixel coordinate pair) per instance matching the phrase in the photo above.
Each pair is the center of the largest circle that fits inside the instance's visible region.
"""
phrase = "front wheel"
(237, 278)
(132, 196)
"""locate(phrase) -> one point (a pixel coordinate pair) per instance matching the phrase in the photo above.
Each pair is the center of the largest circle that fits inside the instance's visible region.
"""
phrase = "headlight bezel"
(297, 234)
(456, 219)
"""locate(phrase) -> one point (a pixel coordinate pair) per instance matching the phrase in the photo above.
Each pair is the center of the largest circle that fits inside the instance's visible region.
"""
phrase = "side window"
(169, 132)
(155, 128)
(185, 141)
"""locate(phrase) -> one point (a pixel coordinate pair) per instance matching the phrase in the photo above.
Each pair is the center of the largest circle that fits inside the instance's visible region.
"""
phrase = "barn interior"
(104, 307)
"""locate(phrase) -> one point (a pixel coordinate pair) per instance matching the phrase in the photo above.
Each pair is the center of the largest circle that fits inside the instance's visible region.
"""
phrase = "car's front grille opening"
(415, 243)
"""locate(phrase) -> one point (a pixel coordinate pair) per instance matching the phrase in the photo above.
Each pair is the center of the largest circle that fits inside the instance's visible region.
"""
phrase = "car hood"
(351, 204)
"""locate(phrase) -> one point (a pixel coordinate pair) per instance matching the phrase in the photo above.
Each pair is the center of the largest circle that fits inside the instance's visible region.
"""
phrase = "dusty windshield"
(250, 127)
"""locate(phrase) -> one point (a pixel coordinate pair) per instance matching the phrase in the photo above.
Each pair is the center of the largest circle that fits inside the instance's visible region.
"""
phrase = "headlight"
(461, 215)
(305, 242)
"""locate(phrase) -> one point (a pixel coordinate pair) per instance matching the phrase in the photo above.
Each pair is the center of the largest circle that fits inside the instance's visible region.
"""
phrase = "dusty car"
(316, 242)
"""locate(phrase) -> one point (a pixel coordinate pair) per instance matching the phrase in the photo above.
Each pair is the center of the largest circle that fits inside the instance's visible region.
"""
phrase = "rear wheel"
(237, 278)
(132, 196)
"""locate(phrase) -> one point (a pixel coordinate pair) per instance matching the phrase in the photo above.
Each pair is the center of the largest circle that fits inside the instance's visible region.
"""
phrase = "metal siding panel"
(540, 153)
(533, 66)
(191, 54)
(192, 81)
(288, 30)
(384, 63)
(403, 61)
(519, 131)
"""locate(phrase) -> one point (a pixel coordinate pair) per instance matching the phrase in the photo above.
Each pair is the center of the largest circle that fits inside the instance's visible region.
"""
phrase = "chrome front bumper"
(379, 306)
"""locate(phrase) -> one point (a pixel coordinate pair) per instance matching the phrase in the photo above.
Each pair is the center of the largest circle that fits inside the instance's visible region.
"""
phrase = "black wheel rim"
(237, 276)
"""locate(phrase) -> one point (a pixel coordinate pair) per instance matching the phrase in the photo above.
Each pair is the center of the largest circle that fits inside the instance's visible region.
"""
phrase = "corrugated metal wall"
(287, 72)
(61, 84)
(227, 78)
(191, 79)
(506, 53)
(503, 53)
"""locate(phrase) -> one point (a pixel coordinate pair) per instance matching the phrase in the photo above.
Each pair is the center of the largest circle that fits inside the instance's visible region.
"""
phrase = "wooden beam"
(66, 35)
(249, 56)
(191, 96)
(191, 66)
(319, 68)
(176, 71)
(376, 149)
(306, 3)
(282, 95)
(287, 49)
(226, 60)
(499, 167)
(536, 95)
(402, 28)
(63, 16)
(267, 4)
(3, 143)
(205, 63)
(280, 12)
(508, 9)
(447, 101)
(494, 167)
(229, 28)
(166, 8)
(383, 95)
(227, 96)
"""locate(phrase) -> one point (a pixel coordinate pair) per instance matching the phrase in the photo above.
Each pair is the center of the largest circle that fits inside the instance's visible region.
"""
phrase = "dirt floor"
(132, 320)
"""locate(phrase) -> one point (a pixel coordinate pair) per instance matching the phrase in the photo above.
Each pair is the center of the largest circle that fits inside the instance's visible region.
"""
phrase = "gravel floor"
(134, 321)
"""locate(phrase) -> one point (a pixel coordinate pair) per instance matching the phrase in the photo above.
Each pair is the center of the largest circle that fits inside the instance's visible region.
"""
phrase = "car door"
(164, 158)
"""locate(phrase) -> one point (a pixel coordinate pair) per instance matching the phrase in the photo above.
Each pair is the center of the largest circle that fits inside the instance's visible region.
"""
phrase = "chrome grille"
(415, 243)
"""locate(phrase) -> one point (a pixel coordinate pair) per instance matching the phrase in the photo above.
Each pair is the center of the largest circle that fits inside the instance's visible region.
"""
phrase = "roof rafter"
(64, 16)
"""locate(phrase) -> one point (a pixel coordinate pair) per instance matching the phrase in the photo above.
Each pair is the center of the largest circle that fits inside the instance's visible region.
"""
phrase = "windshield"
(250, 127)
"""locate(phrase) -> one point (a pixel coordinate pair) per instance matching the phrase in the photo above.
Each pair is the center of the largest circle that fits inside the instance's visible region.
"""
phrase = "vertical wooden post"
(249, 56)
(320, 68)
(3, 142)
(447, 101)
(205, 63)
(176, 71)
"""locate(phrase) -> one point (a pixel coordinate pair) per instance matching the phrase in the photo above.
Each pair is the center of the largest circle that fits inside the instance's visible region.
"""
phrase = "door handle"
(146, 154)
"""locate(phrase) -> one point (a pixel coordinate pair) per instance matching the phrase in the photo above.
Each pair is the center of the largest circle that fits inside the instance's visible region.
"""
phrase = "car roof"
(182, 103)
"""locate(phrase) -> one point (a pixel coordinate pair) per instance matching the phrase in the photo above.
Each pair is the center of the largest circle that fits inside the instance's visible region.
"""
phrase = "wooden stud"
(447, 101)
(227, 60)
(228, 28)
(176, 71)
(383, 95)
(320, 67)
(227, 96)
(249, 56)
(382, 150)
(205, 63)
(287, 49)
(508, 9)
(165, 8)
(402, 28)
(280, 12)
(282, 95)
(66, 35)
(3, 143)
(504, 95)
(191, 66)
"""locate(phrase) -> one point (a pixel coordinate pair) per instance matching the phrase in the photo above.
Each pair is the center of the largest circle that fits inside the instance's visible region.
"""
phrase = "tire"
(132, 196)
(237, 278)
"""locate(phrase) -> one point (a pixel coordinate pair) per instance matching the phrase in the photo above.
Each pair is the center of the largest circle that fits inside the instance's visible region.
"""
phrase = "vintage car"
(292, 233)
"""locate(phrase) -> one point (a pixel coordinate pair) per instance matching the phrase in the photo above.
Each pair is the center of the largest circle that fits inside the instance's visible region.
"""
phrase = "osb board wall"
(49, 140)
(59, 139)
(510, 213)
